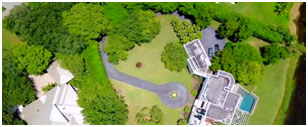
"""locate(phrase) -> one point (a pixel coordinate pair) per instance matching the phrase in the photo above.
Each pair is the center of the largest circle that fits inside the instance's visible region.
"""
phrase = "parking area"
(209, 40)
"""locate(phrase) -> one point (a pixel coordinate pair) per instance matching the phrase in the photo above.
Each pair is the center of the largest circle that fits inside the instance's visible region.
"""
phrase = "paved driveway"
(162, 91)
(209, 40)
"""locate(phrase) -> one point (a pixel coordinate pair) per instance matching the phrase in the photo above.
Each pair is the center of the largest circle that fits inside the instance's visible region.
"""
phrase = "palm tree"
(280, 7)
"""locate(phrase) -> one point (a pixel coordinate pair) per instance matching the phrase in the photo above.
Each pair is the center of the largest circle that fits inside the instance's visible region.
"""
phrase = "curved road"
(162, 91)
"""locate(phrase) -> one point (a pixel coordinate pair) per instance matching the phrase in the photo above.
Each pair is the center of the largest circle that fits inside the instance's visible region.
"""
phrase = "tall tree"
(273, 52)
(140, 27)
(16, 89)
(34, 59)
(85, 20)
(47, 30)
(242, 60)
(236, 29)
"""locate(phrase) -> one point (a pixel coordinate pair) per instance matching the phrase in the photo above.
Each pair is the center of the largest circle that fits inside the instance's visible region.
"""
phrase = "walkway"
(162, 91)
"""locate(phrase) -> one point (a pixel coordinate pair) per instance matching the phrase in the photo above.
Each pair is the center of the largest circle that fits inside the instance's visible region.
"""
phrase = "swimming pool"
(247, 102)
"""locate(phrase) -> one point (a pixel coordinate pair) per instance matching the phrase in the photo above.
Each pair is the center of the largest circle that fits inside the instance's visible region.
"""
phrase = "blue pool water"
(248, 102)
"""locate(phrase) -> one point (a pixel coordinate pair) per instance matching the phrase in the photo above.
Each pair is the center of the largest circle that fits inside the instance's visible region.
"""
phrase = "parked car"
(211, 53)
(216, 47)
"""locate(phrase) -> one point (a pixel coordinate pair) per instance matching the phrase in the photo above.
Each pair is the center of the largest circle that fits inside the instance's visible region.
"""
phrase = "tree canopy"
(236, 29)
(149, 116)
(174, 57)
(47, 30)
(34, 59)
(139, 27)
(16, 89)
(243, 61)
(273, 52)
(85, 20)
(185, 31)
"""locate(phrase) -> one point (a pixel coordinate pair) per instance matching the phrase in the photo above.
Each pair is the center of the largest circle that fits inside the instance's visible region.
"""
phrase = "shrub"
(182, 122)
(138, 64)
(194, 92)
(49, 87)
(149, 116)
(185, 31)
(187, 109)
(174, 57)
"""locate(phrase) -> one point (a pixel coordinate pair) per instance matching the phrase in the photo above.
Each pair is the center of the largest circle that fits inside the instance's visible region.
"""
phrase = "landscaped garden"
(141, 44)
(149, 54)
(152, 70)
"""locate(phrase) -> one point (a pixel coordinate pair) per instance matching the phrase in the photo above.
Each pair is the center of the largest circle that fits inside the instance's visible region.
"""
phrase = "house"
(220, 99)
(198, 61)
(58, 106)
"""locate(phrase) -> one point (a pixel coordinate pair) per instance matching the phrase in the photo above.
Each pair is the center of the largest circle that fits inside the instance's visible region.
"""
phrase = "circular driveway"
(162, 91)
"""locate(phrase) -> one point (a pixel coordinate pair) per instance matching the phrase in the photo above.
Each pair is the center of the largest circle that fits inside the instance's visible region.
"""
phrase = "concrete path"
(8, 7)
(162, 91)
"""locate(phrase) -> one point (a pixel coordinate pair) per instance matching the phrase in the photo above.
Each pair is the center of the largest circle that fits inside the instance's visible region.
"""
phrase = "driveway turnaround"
(162, 91)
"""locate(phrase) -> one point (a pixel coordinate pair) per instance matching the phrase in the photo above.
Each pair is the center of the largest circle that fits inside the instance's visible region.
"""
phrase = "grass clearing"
(149, 55)
(270, 91)
(256, 43)
(9, 39)
(289, 88)
(215, 24)
(265, 15)
(137, 98)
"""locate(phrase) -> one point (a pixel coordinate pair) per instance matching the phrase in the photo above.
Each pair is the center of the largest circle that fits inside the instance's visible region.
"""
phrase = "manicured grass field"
(260, 11)
(272, 87)
(9, 40)
(149, 54)
(270, 91)
(289, 88)
(137, 98)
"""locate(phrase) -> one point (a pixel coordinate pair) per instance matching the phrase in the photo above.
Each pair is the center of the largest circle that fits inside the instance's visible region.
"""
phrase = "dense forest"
(69, 32)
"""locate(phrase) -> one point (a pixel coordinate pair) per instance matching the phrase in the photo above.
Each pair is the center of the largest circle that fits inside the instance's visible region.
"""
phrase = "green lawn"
(270, 91)
(271, 88)
(153, 70)
(8, 40)
(215, 24)
(137, 98)
(256, 43)
(289, 88)
(149, 54)
(260, 11)
(94, 64)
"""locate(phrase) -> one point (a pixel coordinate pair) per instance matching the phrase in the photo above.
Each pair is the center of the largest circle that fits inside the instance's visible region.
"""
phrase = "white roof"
(57, 107)
(60, 75)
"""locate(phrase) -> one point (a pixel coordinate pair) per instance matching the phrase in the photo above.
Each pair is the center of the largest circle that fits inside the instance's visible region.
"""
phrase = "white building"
(58, 106)
(198, 61)
(219, 98)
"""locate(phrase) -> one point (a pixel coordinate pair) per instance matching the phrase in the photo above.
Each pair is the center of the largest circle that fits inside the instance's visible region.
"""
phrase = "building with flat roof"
(219, 98)
(198, 61)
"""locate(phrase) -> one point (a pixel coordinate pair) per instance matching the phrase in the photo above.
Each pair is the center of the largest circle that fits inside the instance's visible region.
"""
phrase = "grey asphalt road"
(8, 7)
(162, 91)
